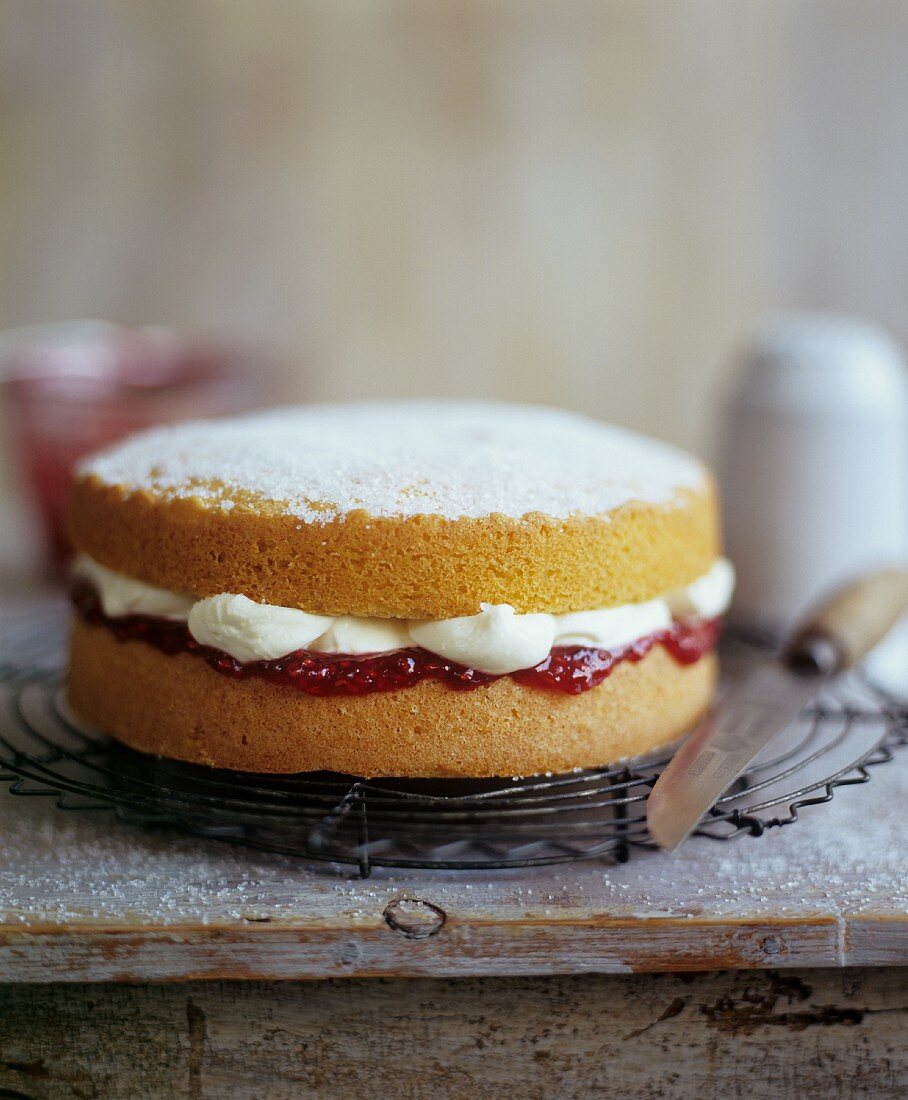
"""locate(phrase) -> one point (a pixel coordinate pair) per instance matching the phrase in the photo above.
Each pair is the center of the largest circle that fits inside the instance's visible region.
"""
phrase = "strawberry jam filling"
(567, 669)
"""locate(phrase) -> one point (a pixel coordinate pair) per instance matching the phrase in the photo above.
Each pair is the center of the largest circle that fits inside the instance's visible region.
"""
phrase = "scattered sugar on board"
(847, 857)
(450, 459)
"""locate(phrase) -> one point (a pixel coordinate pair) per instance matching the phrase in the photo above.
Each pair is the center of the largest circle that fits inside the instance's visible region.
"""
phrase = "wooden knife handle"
(848, 624)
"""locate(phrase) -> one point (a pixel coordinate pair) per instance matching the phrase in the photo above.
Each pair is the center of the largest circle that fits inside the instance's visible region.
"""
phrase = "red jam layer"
(567, 669)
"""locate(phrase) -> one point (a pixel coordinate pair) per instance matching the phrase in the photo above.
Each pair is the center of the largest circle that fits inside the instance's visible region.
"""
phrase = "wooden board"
(747, 1035)
(85, 899)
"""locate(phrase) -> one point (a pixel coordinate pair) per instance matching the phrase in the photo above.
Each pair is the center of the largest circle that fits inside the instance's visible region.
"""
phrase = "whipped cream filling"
(121, 595)
(497, 640)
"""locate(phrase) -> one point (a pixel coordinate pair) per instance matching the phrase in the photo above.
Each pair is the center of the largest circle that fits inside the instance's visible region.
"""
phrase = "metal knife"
(838, 634)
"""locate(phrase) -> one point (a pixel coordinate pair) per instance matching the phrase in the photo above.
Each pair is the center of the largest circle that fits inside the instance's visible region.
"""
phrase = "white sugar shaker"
(814, 463)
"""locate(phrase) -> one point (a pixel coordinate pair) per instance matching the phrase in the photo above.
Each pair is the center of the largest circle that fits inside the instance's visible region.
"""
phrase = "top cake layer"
(395, 460)
(418, 510)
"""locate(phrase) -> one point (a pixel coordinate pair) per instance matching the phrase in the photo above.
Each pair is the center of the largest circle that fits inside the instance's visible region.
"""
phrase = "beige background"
(573, 201)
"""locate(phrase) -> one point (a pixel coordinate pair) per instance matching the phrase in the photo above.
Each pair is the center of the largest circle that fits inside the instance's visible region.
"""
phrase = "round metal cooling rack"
(448, 824)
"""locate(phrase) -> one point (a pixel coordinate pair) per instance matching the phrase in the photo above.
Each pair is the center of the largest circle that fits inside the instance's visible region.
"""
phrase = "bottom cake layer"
(177, 706)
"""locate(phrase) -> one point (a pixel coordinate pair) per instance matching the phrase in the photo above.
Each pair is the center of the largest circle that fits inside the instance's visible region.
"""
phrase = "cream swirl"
(251, 631)
(121, 595)
(497, 640)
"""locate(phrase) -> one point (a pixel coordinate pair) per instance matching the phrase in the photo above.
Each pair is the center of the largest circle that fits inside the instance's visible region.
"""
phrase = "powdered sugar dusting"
(450, 459)
(843, 861)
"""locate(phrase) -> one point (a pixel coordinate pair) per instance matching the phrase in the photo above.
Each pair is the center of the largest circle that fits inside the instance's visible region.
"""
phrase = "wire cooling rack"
(450, 824)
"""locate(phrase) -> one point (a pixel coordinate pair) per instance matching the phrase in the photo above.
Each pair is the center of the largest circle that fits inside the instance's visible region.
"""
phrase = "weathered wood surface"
(83, 899)
(835, 1035)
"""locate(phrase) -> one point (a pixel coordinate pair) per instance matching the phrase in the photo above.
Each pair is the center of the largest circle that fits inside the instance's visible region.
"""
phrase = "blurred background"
(580, 202)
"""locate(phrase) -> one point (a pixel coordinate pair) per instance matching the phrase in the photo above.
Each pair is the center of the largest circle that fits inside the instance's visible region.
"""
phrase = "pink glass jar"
(70, 389)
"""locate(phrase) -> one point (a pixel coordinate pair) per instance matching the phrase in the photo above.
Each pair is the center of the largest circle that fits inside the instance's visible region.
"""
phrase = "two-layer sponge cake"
(415, 589)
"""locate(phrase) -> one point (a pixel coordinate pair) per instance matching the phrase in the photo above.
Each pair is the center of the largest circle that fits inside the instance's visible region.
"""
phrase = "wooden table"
(761, 967)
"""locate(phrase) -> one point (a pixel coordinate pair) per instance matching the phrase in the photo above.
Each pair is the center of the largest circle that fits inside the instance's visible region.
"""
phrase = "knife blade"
(836, 636)
(722, 746)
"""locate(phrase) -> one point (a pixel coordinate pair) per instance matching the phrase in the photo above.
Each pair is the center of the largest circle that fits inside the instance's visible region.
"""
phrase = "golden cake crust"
(177, 706)
(421, 566)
